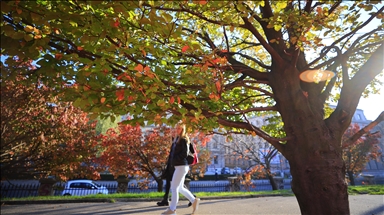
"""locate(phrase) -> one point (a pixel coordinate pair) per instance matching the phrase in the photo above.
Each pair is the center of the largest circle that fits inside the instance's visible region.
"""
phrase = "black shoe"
(162, 203)
(190, 203)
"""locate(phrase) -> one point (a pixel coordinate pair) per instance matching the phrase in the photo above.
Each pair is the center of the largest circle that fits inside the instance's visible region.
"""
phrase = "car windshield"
(96, 184)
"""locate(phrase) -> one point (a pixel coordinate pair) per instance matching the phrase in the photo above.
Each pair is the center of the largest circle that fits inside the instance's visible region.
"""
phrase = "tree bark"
(272, 181)
(160, 185)
(313, 150)
(351, 177)
(327, 191)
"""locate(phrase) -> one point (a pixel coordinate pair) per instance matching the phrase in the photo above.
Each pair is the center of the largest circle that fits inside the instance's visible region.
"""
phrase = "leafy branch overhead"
(212, 64)
(122, 56)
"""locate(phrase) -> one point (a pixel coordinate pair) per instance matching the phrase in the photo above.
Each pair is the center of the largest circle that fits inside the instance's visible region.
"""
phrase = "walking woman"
(178, 158)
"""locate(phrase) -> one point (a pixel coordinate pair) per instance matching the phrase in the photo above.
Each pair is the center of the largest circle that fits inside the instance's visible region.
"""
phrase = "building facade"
(223, 151)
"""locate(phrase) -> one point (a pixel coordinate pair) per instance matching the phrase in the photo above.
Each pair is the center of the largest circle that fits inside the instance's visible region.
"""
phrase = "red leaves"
(58, 56)
(171, 100)
(116, 23)
(143, 52)
(218, 86)
(358, 153)
(120, 95)
(217, 60)
(139, 68)
(31, 118)
(184, 49)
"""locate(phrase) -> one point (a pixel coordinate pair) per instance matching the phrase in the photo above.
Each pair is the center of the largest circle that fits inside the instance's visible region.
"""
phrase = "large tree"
(129, 151)
(260, 152)
(357, 154)
(41, 136)
(213, 64)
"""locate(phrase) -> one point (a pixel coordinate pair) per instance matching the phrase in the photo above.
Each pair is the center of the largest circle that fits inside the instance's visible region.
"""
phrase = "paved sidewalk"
(359, 205)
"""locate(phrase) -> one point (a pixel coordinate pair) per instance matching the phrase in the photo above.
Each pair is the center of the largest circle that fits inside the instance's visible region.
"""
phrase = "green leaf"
(74, 24)
(28, 37)
(277, 27)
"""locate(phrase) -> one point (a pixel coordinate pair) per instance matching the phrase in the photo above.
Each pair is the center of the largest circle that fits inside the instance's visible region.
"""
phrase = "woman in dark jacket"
(178, 159)
(167, 175)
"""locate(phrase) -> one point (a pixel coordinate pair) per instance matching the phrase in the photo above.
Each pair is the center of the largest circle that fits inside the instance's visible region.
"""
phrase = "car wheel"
(67, 194)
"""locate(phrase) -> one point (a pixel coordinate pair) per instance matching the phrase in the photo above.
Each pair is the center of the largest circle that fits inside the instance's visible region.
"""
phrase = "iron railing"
(24, 190)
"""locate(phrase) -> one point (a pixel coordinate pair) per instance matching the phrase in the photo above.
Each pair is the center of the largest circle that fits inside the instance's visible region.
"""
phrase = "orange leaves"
(102, 100)
(131, 98)
(214, 96)
(58, 56)
(105, 71)
(73, 132)
(217, 60)
(143, 52)
(184, 49)
(79, 48)
(144, 70)
(124, 77)
(218, 86)
(86, 87)
(139, 68)
(172, 100)
(203, 2)
(158, 119)
(57, 31)
(120, 95)
(126, 151)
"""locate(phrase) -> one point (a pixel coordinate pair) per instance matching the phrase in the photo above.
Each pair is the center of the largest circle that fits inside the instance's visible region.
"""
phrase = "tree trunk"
(160, 185)
(272, 181)
(318, 181)
(351, 177)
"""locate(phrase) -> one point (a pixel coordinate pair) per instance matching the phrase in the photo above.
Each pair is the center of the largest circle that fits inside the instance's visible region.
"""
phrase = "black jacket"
(168, 173)
(179, 153)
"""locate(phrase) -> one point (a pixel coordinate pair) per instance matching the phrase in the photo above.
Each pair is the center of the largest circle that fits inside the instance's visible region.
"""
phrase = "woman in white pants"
(178, 158)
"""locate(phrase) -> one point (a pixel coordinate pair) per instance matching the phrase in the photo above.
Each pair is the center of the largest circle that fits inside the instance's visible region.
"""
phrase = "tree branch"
(363, 131)
(247, 25)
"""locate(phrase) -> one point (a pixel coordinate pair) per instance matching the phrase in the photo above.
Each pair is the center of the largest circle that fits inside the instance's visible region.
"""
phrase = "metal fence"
(17, 191)
(9, 190)
(24, 190)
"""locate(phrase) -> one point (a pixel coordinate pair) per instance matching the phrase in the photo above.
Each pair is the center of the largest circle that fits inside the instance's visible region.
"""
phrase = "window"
(215, 145)
(75, 185)
(215, 159)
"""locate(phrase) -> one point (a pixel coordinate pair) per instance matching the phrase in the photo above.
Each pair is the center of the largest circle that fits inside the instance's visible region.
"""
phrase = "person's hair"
(183, 132)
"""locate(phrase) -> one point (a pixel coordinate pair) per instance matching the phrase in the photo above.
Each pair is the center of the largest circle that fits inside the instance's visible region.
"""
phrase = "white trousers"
(177, 186)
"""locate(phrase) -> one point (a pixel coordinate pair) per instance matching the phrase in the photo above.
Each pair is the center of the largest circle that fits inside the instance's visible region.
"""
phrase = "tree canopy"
(209, 62)
(128, 151)
(41, 136)
(212, 64)
(357, 154)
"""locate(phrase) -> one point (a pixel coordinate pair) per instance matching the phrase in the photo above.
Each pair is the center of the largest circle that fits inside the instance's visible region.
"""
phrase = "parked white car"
(82, 188)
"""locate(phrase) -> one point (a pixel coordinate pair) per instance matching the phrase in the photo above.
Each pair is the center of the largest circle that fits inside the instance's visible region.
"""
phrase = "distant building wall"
(222, 156)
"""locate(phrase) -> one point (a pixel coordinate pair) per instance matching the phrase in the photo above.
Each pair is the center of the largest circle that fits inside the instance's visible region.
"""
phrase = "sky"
(373, 105)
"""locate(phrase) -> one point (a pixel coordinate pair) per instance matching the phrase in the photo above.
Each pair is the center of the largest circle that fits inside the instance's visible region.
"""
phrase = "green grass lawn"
(352, 190)
(366, 189)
